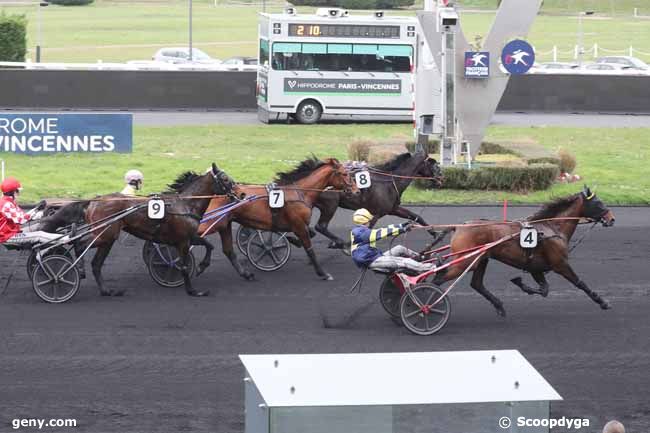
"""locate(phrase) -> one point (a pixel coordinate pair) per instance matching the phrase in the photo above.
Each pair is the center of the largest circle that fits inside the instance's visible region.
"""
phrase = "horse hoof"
(118, 293)
(249, 276)
(346, 252)
(327, 277)
(198, 293)
(501, 312)
(605, 305)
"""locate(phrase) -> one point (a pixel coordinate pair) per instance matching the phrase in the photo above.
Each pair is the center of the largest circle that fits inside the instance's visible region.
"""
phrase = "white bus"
(335, 63)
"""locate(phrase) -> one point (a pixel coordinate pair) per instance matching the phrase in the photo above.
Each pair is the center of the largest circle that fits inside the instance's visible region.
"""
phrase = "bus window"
(341, 57)
(264, 52)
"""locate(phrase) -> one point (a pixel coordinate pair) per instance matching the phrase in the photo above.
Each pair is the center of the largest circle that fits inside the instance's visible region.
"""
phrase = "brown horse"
(178, 227)
(302, 187)
(551, 253)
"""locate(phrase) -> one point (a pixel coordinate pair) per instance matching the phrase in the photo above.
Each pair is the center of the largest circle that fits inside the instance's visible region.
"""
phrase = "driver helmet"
(361, 216)
(10, 185)
(133, 177)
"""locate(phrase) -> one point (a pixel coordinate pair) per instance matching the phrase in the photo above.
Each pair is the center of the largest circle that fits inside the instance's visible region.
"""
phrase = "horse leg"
(97, 263)
(79, 248)
(183, 253)
(301, 230)
(229, 251)
(477, 284)
(563, 268)
(198, 240)
(407, 214)
(322, 228)
(539, 278)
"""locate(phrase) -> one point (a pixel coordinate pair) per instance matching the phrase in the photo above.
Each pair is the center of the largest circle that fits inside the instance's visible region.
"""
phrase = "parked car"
(556, 68)
(182, 55)
(240, 63)
(609, 69)
(632, 62)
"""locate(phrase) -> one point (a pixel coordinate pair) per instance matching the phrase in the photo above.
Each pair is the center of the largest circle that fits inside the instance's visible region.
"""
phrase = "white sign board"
(362, 179)
(276, 198)
(528, 237)
(156, 209)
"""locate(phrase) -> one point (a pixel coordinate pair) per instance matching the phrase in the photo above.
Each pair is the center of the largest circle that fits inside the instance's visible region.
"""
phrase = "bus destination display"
(343, 31)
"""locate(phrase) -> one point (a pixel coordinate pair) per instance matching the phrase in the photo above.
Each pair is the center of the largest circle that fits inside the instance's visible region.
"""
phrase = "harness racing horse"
(387, 183)
(551, 253)
(184, 206)
(302, 187)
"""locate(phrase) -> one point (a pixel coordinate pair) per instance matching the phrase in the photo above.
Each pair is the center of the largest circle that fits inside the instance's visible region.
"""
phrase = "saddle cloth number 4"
(362, 179)
(156, 209)
(528, 237)
(276, 198)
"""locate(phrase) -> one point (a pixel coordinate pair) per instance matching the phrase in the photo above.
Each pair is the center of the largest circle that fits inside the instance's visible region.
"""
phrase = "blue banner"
(38, 134)
(477, 64)
(518, 57)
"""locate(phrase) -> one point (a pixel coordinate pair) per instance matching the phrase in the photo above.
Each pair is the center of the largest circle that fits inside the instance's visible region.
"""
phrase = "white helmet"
(133, 176)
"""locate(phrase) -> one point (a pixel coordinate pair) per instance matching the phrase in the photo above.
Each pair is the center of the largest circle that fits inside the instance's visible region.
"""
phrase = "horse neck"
(408, 168)
(200, 187)
(316, 182)
(568, 227)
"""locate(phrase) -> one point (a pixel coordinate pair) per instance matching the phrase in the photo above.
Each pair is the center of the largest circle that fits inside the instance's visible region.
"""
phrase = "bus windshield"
(291, 56)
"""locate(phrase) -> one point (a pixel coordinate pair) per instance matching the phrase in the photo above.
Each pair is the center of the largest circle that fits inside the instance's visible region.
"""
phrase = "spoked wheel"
(243, 236)
(32, 262)
(268, 251)
(55, 279)
(390, 295)
(164, 265)
(418, 312)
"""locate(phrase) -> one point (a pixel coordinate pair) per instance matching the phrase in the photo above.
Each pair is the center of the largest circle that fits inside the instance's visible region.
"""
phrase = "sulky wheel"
(32, 263)
(55, 279)
(423, 317)
(242, 237)
(390, 294)
(164, 265)
(268, 251)
(147, 248)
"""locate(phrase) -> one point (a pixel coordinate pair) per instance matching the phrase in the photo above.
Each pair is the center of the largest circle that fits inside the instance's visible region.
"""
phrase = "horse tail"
(73, 213)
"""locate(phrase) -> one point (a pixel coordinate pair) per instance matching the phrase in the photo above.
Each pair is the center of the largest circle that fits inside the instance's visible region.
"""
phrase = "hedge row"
(71, 2)
(13, 38)
(533, 177)
(356, 4)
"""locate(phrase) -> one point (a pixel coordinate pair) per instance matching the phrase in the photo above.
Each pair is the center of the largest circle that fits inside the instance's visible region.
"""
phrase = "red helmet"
(10, 184)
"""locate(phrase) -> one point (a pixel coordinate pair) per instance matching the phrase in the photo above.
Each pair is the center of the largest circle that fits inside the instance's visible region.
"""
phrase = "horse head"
(593, 208)
(222, 183)
(431, 168)
(340, 177)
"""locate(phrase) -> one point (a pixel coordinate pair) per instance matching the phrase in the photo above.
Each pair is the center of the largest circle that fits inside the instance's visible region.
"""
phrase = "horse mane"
(552, 209)
(394, 163)
(304, 169)
(183, 181)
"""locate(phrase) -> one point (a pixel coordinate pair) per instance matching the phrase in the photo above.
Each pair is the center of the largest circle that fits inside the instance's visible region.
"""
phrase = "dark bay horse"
(387, 183)
(302, 187)
(551, 253)
(184, 207)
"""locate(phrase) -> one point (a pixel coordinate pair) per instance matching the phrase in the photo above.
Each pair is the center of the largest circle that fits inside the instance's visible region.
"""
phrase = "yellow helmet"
(361, 216)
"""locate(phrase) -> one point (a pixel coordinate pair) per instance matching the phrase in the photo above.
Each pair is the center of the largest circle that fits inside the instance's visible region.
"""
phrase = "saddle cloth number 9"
(156, 209)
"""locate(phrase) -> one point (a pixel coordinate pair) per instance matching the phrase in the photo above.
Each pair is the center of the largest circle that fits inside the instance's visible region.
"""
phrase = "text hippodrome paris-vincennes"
(42, 135)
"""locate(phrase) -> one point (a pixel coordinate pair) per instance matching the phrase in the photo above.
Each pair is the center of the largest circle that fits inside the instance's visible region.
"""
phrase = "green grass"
(613, 160)
(121, 31)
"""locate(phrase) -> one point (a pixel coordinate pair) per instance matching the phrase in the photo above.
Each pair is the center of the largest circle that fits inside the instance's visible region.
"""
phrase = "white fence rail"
(555, 54)
(129, 66)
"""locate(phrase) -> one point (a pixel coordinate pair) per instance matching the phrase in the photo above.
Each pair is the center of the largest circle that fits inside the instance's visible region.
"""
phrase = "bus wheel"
(309, 112)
